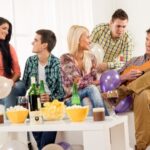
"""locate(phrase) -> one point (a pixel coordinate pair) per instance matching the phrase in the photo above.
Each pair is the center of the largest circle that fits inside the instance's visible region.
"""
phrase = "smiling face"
(4, 30)
(118, 27)
(147, 44)
(84, 42)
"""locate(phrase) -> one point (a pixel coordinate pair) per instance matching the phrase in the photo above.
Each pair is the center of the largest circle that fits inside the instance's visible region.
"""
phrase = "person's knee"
(92, 88)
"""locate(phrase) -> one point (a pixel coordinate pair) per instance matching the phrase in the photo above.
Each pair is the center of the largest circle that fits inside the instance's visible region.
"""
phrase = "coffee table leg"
(96, 140)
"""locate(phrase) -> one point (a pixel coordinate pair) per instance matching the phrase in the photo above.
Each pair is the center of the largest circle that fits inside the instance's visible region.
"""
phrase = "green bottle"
(42, 90)
(75, 99)
(33, 96)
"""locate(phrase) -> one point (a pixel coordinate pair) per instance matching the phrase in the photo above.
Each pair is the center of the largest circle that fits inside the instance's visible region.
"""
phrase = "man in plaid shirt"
(44, 66)
(115, 41)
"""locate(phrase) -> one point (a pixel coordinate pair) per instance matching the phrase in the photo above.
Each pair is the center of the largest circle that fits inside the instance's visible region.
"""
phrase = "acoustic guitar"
(144, 67)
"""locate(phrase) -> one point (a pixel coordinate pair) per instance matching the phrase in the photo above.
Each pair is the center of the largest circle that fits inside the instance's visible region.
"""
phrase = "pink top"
(15, 67)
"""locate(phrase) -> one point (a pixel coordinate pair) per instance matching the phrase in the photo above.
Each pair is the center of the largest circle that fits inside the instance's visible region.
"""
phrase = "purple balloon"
(64, 145)
(109, 80)
(124, 105)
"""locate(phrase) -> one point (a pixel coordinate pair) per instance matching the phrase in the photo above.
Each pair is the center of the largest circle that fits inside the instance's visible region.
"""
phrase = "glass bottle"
(33, 96)
(42, 89)
(75, 99)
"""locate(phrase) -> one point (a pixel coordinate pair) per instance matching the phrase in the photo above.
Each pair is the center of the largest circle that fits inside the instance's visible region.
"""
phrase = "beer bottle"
(42, 89)
(75, 99)
(33, 95)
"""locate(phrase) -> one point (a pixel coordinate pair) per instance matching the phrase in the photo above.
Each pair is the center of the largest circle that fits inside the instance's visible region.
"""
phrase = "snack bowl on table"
(54, 110)
(77, 113)
(17, 114)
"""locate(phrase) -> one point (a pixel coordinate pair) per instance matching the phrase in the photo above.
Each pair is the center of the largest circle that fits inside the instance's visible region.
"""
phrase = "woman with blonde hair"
(80, 65)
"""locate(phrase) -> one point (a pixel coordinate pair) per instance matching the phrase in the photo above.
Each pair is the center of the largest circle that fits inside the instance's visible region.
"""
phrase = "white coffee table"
(111, 134)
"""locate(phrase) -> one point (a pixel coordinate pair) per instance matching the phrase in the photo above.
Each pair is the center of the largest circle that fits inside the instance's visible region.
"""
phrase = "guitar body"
(144, 67)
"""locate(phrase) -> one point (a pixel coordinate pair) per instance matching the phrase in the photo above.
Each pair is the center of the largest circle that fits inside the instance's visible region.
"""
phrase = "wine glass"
(23, 101)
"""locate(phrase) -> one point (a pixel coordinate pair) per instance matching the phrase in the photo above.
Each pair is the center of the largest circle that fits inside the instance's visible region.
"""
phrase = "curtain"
(27, 16)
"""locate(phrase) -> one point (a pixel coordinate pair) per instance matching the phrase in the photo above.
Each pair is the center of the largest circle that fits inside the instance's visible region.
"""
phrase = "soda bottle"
(75, 99)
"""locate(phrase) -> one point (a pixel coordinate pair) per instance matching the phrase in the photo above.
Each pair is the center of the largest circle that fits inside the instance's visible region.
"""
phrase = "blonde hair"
(73, 38)
(74, 35)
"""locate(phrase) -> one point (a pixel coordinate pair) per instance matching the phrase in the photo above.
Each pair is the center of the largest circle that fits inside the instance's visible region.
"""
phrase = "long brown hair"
(5, 49)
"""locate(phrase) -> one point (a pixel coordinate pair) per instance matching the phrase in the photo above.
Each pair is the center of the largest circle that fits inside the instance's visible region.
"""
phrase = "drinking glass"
(112, 100)
(23, 101)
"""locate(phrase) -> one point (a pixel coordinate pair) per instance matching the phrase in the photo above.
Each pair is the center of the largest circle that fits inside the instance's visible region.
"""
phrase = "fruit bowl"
(17, 115)
(77, 113)
(53, 110)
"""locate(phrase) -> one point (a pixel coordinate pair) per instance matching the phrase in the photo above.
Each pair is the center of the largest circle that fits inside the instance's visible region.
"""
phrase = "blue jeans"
(17, 90)
(44, 138)
(93, 93)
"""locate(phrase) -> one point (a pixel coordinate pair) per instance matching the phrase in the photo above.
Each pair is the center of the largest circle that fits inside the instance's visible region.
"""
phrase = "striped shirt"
(113, 48)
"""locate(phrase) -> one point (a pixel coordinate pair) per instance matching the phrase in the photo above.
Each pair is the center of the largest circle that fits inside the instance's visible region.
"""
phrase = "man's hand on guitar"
(132, 75)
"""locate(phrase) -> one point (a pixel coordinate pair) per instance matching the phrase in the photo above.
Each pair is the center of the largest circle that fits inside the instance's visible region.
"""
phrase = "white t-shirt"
(41, 70)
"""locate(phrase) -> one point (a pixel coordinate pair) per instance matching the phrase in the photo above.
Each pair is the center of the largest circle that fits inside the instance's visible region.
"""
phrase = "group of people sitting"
(80, 65)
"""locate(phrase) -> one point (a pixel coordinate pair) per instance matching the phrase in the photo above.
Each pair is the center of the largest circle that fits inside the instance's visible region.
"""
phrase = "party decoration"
(124, 105)
(52, 147)
(109, 80)
(64, 145)
(98, 51)
(5, 86)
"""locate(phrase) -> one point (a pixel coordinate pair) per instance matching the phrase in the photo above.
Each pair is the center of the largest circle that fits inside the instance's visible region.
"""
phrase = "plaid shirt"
(136, 61)
(70, 71)
(52, 72)
(113, 48)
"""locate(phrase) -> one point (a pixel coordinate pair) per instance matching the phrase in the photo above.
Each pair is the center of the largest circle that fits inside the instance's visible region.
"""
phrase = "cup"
(1, 118)
(98, 114)
(2, 113)
(23, 101)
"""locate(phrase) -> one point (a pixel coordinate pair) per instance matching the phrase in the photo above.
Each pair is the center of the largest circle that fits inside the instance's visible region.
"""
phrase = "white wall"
(139, 22)
(102, 10)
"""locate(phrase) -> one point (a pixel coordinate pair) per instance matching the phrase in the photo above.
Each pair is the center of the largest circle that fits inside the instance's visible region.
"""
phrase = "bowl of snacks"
(77, 113)
(17, 114)
(54, 110)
